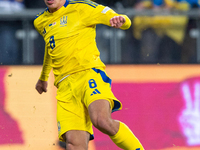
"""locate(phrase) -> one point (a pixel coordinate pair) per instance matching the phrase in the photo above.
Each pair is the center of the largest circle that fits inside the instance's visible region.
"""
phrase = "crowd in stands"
(150, 40)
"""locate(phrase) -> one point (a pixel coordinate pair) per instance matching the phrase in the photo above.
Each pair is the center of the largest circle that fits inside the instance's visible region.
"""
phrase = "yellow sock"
(125, 139)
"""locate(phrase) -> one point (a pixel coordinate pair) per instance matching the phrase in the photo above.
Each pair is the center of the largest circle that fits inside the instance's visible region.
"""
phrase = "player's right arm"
(41, 85)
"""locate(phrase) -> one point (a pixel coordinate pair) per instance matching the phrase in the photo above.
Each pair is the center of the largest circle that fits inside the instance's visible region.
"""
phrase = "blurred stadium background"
(154, 67)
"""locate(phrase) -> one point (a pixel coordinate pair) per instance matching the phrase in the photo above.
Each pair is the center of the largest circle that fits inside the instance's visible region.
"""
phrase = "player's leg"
(121, 135)
(74, 125)
(76, 140)
(100, 115)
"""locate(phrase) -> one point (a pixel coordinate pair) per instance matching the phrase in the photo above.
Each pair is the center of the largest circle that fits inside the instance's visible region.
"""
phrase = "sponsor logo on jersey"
(63, 21)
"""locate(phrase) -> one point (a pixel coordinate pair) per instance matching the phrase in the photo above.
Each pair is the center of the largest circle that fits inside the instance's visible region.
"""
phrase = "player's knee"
(76, 139)
(102, 123)
(74, 145)
(70, 140)
(69, 146)
(99, 122)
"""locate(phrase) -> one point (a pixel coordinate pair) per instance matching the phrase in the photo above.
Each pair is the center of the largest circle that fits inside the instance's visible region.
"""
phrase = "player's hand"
(117, 21)
(41, 86)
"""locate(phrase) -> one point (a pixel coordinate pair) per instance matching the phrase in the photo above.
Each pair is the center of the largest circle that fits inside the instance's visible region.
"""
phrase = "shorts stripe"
(117, 106)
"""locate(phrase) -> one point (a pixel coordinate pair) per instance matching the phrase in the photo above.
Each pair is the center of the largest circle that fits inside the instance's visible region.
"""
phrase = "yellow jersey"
(69, 35)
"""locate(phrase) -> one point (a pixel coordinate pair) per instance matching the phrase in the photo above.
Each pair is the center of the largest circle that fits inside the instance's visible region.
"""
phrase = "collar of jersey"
(65, 5)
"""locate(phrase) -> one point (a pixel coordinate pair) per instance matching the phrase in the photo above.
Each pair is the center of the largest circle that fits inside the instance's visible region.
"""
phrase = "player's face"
(54, 5)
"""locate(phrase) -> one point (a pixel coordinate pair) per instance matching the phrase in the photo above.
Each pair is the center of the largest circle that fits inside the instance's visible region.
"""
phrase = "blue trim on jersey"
(88, 1)
(66, 3)
(39, 14)
(84, 2)
(103, 75)
(47, 9)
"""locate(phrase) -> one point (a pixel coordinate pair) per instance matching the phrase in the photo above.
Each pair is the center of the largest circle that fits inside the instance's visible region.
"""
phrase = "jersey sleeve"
(47, 60)
(38, 23)
(46, 66)
(101, 15)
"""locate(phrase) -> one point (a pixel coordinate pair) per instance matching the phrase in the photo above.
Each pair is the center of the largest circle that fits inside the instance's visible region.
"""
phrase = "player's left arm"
(104, 15)
(120, 22)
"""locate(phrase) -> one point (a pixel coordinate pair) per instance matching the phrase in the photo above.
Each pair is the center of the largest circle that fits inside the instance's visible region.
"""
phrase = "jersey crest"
(63, 21)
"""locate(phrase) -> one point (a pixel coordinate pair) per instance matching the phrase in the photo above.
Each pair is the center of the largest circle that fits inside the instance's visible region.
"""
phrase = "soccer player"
(84, 96)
